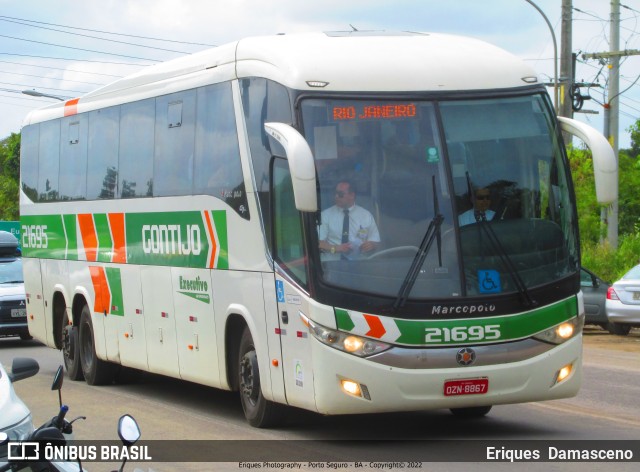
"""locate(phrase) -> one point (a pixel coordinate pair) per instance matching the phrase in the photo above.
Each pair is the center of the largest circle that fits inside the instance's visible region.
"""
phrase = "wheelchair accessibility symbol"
(489, 281)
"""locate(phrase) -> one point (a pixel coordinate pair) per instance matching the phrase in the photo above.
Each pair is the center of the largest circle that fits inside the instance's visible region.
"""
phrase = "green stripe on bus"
(177, 239)
(474, 330)
(115, 287)
(71, 231)
(105, 242)
(220, 223)
(344, 320)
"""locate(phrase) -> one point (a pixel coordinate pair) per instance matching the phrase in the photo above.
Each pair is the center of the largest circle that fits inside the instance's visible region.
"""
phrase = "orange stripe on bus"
(71, 107)
(89, 237)
(214, 247)
(101, 289)
(116, 222)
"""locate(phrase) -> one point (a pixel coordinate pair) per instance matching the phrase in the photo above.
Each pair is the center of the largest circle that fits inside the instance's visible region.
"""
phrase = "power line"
(92, 37)
(76, 60)
(48, 88)
(51, 78)
(78, 49)
(109, 32)
(62, 69)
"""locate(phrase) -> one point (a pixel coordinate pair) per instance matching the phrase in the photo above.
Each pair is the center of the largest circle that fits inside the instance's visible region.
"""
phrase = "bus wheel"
(96, 371)
(259, 412)
(70, 349)
(471, 412)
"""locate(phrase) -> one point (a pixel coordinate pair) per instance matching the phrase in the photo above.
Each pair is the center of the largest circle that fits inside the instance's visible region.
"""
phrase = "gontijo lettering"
(168, 239)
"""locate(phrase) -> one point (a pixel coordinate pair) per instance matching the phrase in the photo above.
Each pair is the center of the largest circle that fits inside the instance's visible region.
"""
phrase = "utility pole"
(614, 111)
(611, 106)
(566, 61)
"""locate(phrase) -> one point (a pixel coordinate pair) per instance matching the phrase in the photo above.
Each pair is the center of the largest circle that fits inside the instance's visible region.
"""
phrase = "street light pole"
(555, 53)
(35, 93)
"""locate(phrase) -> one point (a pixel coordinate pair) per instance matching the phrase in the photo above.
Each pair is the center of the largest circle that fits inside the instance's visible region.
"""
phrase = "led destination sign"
(374, 112)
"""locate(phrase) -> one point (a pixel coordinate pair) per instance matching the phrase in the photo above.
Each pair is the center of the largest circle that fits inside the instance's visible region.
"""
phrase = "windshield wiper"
(433, 233)
(508, 264)
(12, 282)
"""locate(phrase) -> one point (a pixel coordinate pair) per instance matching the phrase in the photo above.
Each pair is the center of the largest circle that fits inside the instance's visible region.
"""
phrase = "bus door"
(295, 345)
(159, 320)
(290, 254)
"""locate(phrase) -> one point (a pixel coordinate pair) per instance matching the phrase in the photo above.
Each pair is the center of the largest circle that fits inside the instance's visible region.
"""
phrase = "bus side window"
(175, 143)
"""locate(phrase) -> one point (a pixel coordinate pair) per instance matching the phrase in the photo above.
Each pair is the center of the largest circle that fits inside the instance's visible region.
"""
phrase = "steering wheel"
(393, 250)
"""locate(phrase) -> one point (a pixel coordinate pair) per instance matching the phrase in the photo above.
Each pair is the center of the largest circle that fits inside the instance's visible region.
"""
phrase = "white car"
(623, 302)
(15, 417)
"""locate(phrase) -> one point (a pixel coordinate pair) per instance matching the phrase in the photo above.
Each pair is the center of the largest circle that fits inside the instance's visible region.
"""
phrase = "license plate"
(18, 312)
(636, 295)
(466, 387)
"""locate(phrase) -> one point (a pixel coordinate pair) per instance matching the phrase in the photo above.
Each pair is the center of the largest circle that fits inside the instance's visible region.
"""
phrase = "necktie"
(345, 227)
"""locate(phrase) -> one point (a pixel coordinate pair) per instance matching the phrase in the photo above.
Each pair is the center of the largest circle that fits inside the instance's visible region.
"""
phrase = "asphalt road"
(605, 409)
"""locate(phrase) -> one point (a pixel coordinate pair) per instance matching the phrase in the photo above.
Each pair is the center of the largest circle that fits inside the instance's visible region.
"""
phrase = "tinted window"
(102, 169)
(137, 128)
(264, 101)
(73, 158)
(175, 139)
(49, 160)
(218, 171)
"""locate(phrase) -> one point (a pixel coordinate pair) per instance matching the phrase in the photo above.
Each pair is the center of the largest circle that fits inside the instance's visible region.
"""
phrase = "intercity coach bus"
(171, 223)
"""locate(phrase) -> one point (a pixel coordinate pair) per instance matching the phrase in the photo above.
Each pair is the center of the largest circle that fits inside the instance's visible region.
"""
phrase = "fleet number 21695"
(462, 333)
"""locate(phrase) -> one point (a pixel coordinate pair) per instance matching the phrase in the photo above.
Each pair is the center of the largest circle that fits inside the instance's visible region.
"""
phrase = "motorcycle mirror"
(128, 430)
(58, 379)
(23, 368)
(57, 383)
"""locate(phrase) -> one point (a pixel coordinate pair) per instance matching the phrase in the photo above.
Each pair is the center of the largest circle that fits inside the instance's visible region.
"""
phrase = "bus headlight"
(562, 332)
(350, 343)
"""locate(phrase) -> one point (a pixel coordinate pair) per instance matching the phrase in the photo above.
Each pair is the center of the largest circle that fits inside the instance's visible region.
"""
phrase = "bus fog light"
(563, 373)
(351, 387)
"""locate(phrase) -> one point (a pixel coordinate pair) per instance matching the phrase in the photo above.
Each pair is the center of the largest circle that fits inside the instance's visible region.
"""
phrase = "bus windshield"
(445, 198)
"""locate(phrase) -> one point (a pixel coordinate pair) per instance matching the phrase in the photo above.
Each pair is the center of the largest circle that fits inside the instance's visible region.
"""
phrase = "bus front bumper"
(384, 388)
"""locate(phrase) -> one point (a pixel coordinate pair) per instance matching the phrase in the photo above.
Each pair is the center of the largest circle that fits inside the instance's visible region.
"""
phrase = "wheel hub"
(249, 377)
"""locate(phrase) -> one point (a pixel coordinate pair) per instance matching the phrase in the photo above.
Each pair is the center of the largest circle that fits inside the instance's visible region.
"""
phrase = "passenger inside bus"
(347, 230)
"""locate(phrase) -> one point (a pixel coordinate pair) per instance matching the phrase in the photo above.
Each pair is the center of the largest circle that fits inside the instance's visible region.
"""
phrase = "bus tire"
(259, 412)
(70, 348)
(96, 371)
(471, 412)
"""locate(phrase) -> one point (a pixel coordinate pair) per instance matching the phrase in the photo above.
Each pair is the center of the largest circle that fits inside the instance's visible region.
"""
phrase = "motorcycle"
(59, 431)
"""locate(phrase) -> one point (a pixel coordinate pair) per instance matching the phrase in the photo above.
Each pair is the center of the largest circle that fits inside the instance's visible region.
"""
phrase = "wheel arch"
(234, 327)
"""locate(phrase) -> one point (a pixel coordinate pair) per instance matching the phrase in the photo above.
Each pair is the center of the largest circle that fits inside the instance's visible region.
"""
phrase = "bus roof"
(364, 61)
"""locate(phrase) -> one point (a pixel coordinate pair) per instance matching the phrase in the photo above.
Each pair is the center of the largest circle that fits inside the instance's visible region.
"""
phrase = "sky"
(55, 48)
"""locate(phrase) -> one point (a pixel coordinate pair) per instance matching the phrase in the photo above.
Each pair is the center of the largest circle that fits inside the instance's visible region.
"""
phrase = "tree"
(9, 177)
(634, 130)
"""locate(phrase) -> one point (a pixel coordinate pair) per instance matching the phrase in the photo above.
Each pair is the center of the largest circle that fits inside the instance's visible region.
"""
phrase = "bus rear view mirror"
(301, 165)
(605, 164)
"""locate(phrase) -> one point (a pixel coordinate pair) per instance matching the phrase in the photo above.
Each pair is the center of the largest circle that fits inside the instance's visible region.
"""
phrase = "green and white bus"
(170, 223)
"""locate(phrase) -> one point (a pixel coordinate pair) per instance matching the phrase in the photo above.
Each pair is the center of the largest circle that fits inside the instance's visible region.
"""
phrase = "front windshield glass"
(408, 195)
(11, 272)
